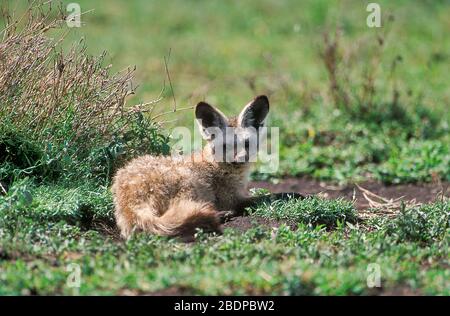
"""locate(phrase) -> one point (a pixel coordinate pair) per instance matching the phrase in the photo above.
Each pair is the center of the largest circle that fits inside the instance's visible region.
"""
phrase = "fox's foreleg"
(253, 201)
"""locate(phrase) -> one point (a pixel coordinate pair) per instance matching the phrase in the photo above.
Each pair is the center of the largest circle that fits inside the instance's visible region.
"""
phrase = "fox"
(175, 196)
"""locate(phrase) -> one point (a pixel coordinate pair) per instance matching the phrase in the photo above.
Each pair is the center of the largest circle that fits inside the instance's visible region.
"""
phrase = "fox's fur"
(174, 196)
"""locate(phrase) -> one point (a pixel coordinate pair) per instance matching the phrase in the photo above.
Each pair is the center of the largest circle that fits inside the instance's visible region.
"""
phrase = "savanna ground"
(353, 104)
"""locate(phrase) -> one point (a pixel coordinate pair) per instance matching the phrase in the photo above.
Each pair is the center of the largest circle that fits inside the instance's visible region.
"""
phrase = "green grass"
(43, 235)
(311, 211)
(58, 209)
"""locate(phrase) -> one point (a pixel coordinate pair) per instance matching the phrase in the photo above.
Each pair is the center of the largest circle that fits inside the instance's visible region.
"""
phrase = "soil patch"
(244, 223)
(421, 193)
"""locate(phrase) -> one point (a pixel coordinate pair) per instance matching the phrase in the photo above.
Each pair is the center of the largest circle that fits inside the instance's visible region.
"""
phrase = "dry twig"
(380, 206)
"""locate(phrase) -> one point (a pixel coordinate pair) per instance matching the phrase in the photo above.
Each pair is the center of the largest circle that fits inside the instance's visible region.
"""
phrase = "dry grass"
(381, 206)
(42, 86)
(331, 57)
(352, 86)
(62, 111)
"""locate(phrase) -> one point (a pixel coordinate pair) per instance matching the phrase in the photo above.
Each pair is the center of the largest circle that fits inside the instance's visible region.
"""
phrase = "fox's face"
(235, 140)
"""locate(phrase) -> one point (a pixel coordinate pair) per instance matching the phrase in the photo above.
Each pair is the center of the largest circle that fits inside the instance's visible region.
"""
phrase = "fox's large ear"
(254, 113)
(209, 118)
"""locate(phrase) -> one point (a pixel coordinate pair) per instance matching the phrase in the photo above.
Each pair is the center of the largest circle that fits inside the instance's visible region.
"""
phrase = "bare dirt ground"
(415, 193)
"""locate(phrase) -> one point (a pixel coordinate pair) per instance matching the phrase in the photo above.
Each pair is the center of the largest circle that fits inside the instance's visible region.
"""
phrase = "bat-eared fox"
(173, 196)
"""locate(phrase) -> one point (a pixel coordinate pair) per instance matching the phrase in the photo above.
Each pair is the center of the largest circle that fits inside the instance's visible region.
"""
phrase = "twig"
(166, 62)
(387, 207)
(169, 112)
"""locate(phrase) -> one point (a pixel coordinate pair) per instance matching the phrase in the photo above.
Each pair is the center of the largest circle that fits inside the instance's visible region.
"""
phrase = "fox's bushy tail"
(181, 219)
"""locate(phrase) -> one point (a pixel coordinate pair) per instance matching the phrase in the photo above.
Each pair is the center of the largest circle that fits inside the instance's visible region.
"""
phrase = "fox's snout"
(237, 145)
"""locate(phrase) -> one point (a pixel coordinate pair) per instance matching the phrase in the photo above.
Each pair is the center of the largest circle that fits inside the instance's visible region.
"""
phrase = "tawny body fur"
(174, 196)
(161, 194)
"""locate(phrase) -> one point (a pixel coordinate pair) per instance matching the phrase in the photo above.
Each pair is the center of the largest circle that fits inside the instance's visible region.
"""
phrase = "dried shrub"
(67, 102)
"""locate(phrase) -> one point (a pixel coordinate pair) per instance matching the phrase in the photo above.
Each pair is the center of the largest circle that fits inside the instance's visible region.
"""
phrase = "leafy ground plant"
(42, 237)
(310, 211)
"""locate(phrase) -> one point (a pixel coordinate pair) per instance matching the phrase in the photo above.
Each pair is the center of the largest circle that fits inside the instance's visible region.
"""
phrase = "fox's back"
(165, 178)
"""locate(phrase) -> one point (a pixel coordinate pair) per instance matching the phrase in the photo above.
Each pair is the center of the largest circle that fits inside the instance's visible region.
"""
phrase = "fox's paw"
(225, 216)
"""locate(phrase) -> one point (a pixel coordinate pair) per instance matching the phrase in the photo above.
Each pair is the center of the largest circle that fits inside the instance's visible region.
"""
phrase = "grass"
(355, 104)
(311, 211)
(42, 237)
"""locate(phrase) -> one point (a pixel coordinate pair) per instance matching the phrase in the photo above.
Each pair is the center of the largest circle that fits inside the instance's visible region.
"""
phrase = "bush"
(62, 113)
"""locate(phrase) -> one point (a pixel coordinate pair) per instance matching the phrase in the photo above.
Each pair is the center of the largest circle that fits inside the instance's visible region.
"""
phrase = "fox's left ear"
(254, 113)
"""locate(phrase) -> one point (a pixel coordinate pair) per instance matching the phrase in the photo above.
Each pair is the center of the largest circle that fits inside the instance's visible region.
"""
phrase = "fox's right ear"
(209, 119)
